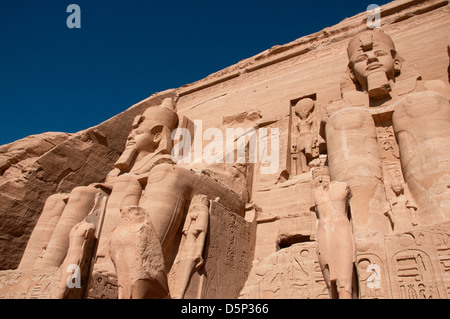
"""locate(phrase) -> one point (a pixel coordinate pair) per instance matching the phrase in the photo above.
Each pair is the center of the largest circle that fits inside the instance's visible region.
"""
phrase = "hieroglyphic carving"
(36, 284)
(441, 240)
(415, 264)
(321, 292)
(290, 273)
(414, 270)
(228, 261)
(103, 287)
(414, 275)
(444, 260)
(387, 144)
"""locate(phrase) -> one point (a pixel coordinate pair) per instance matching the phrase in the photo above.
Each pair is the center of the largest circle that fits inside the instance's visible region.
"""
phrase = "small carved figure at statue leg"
(335, 241)
(193, 241)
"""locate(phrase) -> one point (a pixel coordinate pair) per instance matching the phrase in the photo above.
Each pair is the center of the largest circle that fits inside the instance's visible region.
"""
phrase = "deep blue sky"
(53, 78)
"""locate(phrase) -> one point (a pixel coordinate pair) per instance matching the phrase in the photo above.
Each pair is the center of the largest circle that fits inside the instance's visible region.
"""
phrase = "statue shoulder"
(438, 86)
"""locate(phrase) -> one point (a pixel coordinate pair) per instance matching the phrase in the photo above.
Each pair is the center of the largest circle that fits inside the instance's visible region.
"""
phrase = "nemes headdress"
(163, 114)
(368, 40)
(157, 119)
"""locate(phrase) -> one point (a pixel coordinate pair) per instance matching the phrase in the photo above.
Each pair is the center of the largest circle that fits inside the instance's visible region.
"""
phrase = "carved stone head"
(151, 133)
(154, 127)
(304, 107)
(373, 62)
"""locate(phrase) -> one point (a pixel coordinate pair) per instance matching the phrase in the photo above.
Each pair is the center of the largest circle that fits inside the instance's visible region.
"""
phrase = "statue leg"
(353, 157)
(80, 202)
(76, 267)
(303, 163)
(421, 123)
(42, 232)
(127, 191)
(164, 199)
(295, 166)
(344, 289)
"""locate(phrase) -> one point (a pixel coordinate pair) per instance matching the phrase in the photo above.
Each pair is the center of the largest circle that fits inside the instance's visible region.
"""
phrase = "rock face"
(337, 139)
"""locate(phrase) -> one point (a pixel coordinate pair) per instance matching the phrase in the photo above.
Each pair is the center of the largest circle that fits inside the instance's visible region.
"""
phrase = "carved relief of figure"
(192, 243)
(403, 208)
(302, 136)
(305, 136)
(388, 145)
(335, 242)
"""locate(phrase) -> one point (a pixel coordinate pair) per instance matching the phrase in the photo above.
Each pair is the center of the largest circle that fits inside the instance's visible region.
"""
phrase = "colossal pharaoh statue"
(385, 102)
(387, 140)
(148, 199)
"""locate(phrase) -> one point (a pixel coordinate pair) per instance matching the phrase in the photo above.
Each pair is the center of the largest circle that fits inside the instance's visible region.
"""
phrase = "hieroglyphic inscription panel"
(36, 284)
(290, 273)
(229, 253)
(409, 265)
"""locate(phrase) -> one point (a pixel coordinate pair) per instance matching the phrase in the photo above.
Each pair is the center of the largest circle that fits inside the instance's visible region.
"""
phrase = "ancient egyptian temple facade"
(316, 169)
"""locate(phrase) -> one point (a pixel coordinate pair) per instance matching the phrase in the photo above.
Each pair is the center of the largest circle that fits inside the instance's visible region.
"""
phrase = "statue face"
(142, 140)
(373, 62)
(363, 63)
